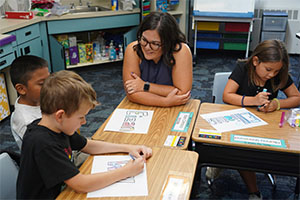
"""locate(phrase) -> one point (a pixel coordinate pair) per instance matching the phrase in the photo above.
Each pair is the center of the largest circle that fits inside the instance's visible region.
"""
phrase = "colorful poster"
(4, 104)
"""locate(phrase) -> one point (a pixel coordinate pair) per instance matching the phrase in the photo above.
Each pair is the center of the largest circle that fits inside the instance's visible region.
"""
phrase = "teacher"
(157, 68)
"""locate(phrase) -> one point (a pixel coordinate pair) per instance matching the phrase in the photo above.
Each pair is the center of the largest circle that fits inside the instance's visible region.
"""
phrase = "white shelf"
(92, 63)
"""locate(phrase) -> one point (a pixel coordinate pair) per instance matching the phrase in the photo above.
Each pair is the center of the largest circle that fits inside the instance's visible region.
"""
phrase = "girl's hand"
(173, 99)
(140, 151)
(269, 107)
(134, 85)
(262, 98)
(134, 167)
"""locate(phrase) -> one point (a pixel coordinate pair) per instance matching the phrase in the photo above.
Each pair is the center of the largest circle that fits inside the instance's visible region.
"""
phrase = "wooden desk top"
(160, 127)
(163, 162)
(271, 130)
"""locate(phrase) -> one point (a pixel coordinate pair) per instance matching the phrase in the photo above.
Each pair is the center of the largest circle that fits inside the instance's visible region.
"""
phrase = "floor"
(107, 81)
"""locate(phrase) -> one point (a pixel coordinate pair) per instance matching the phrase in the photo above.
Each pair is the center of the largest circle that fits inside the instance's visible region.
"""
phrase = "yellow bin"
(208, 26)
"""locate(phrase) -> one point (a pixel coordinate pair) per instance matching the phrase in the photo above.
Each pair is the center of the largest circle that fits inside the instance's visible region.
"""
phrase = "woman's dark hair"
(170, 35)
(270, 51)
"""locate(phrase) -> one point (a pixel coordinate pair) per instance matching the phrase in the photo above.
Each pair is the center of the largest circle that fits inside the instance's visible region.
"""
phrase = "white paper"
(133, 186)
(130, 121)
(233, 120)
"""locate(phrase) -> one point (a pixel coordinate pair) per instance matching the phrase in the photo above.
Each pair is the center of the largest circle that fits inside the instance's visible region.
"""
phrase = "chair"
(8, 173)
(220, 81)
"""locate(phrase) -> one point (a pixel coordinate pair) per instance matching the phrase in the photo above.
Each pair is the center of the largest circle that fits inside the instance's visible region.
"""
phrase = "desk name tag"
(174, 141)
(211, 134)
(258, 141)
(182, 121)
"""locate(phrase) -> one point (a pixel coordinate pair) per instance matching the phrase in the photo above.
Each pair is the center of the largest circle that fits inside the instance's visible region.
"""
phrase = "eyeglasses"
(153, 45)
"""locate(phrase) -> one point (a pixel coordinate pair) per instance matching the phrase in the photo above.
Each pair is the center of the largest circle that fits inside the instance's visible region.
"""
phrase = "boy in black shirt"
(48, 143)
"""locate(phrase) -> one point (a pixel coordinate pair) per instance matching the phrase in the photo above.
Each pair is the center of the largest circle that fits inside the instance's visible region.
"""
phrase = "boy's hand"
(262, 98)
(134, 167)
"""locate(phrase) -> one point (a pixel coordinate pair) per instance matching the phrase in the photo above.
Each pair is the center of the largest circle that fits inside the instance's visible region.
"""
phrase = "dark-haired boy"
(28, 74)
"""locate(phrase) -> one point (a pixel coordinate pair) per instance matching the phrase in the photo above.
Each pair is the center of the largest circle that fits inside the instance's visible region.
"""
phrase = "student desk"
(164, 161)
(223, 153)
(160, 127)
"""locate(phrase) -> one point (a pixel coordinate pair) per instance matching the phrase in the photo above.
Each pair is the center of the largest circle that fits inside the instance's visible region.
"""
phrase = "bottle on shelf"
(121, 55)
(112, 51)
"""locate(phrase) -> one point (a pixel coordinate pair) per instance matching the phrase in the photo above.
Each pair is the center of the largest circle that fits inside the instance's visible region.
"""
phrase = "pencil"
(281, 119)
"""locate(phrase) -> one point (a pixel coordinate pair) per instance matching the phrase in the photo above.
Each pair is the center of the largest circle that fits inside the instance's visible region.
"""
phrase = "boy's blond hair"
(66, 90)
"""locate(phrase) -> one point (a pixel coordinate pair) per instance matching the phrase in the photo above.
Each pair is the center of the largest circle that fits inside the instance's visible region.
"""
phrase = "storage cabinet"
(273, 25)
(179, 9)
(59, 52)
(6, 50)
(28, 41)
(128, 22)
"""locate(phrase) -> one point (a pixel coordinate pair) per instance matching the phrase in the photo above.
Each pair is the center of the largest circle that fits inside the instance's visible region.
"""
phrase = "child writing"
(47, 144)
(267, 68)
(28, 74)
(256, 82)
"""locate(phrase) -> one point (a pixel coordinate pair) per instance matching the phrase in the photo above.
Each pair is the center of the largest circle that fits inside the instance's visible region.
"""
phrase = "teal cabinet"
(127, 22)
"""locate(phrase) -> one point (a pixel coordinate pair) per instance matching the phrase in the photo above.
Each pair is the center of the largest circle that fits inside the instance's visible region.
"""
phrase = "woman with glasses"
(157, 68)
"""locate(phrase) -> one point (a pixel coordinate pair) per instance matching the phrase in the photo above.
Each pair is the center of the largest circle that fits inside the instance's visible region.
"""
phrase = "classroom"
(214, 132)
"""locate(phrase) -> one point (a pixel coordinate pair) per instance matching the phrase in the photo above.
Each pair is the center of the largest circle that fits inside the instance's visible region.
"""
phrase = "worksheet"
(231, 120)
(132, 186)
(130, 121)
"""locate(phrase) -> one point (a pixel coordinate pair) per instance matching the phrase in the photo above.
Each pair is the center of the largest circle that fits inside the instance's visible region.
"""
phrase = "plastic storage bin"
(237, 27)
(203, 44)
(234, 46)
(274, 21)
(266, 35)
(208, 26)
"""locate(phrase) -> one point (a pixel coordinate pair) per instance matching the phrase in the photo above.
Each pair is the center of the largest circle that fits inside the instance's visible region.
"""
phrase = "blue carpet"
(107, 81)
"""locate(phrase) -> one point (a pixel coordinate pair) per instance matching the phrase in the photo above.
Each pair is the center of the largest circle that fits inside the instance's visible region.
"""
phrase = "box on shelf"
(208, 26)
(89, 52)
(82, 53)
(73, 51)
(209, 35)
(72, 41)
(234, 46)
(63, 40)
(237, 27)
(203, 44)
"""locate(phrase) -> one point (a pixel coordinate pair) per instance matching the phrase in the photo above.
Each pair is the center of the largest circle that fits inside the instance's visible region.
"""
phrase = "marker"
(281, 119)
(132, 157)
(264, 90)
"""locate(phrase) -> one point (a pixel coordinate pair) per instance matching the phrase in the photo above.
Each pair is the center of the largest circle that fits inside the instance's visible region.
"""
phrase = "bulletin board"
(224, 8)
(4, 103)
